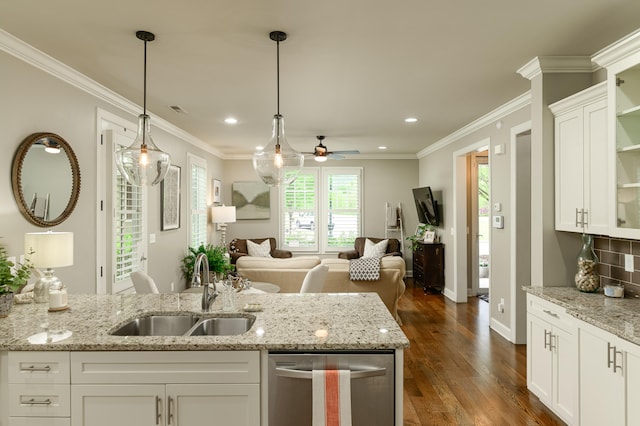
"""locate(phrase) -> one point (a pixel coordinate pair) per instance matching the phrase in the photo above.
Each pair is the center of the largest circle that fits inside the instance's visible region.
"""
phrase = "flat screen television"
(426, 206)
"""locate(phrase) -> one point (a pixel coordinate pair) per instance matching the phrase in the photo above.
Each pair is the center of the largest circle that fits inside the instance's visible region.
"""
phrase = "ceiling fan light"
(320, 158)
(143, 163)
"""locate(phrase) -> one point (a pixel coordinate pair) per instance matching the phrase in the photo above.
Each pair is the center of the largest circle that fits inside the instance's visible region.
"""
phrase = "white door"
(228, 404)
(121, 405)
(480, 222)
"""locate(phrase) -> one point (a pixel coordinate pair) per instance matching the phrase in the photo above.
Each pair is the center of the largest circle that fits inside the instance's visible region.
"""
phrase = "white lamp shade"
(50, 249)
(223, 214)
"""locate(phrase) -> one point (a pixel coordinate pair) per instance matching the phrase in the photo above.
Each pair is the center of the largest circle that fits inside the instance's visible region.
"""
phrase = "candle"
(57, 298)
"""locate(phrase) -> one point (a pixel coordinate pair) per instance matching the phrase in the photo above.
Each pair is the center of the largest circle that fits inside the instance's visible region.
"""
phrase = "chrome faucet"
(208, 296)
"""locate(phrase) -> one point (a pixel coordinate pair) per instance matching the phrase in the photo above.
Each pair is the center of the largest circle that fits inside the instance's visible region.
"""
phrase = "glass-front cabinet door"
(622, 62)
(627, 149)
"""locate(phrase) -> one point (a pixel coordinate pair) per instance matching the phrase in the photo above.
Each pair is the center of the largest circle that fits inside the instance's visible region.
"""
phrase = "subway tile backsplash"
(611, 253)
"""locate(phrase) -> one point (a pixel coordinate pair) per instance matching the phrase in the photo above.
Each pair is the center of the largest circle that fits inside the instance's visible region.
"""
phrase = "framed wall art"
(170, 199)
(216, 191)
(252, 200)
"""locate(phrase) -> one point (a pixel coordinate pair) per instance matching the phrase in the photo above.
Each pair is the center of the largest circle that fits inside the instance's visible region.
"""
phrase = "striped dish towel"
(331, 390)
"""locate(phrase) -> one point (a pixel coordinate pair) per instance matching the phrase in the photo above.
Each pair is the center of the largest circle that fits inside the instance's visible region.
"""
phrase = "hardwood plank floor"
(459, 372)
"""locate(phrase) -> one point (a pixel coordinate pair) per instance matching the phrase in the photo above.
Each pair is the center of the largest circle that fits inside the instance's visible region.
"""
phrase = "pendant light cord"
(278, 74)
(144, 105)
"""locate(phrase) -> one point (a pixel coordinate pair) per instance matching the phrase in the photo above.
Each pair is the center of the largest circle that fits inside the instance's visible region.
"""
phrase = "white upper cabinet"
(622, 61)
(581, 162)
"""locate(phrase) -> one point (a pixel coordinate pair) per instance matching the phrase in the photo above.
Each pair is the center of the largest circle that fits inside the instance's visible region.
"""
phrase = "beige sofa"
(288, 274)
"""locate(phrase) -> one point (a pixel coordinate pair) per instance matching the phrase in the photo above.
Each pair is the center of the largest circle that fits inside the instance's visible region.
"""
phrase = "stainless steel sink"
(223, 326)
(157, 325)
(185, 325)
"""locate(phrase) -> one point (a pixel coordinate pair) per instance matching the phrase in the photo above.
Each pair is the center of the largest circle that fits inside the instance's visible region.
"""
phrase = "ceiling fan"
(321, 153)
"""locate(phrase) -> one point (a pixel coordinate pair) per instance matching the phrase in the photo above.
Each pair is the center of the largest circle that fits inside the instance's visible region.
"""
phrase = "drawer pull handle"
(307, 374)
(33, 401)
(32, 368)
(548, 312)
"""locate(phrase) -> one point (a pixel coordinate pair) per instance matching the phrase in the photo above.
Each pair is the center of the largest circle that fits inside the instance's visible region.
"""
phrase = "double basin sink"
(185, 325)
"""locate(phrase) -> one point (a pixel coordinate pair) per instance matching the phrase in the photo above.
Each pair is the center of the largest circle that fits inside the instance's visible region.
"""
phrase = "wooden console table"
(428, 266)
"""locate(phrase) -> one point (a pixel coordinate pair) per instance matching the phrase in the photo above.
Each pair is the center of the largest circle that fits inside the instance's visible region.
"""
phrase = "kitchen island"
(180, 365)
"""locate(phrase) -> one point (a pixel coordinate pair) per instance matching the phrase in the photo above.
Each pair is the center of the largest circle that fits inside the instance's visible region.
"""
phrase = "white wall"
(34, 101)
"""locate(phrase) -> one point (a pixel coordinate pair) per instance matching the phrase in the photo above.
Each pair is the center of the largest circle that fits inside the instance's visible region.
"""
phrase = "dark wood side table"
(428, 266)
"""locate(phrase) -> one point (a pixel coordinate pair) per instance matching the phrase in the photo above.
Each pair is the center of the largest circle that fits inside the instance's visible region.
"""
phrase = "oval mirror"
(45, 178)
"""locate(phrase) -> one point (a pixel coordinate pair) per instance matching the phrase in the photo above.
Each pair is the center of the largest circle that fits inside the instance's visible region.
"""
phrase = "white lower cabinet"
(165, 388)
(552, 370)
(609, 378)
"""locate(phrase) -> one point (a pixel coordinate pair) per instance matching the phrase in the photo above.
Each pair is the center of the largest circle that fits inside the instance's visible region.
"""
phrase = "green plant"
(12, 276)
(419, 235)
(216, 255)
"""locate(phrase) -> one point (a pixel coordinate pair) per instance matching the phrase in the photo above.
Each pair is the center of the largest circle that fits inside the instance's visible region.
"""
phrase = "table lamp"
(50, 250)
(223, 215)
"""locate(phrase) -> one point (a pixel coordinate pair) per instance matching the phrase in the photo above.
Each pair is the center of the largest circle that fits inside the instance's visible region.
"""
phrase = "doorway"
(479, 218)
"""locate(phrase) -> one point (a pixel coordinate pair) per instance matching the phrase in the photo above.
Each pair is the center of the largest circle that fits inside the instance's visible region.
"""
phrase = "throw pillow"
(259, 250)
(372, 249)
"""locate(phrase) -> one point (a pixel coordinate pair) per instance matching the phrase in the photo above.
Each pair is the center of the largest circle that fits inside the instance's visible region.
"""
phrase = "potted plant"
(484, 267)
(217, 256)
(419, 235)
(12, 278)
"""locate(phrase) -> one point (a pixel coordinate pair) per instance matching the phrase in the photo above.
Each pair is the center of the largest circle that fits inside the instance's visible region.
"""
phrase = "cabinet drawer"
(39, 421)
(165, 367)
(39, 400)
(550, 312)
(39, 367)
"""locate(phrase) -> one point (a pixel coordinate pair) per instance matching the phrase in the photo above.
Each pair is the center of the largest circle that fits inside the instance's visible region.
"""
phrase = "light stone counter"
(617, 316)
(345, 321)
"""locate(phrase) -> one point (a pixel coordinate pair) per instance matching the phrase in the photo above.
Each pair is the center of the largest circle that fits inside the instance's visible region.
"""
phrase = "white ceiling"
(351, 69)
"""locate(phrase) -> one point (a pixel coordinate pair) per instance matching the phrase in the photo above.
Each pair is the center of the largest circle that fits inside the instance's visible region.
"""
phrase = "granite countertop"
(619, 316)
(340, 321)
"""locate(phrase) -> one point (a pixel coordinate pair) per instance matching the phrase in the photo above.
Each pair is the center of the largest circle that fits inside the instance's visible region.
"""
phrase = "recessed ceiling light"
(410, 120)
(382, 147)
(178, 109)
(230, 120)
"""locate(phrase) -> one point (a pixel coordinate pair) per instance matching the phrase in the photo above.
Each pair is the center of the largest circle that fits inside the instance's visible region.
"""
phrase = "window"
(321, 209)
(197, 201)
(129, 225)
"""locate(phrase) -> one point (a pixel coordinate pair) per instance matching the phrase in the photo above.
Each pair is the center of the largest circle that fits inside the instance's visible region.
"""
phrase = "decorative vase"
(587, 278)
(6, 301)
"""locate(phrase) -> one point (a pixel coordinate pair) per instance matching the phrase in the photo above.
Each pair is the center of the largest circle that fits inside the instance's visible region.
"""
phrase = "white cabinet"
(609, 378)
(552, 370)
(581, 162)
(622, 62)
(165, 388)
(38, 388)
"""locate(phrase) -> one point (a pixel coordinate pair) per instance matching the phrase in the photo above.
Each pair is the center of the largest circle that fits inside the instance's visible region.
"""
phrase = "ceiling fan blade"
(353, 151)
(335, 156)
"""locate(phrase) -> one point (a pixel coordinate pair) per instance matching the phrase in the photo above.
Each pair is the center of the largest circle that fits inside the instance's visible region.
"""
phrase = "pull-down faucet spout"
(208, 296)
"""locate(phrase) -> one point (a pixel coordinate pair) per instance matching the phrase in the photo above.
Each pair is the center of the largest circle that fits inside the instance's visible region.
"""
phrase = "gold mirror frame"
(16, 178)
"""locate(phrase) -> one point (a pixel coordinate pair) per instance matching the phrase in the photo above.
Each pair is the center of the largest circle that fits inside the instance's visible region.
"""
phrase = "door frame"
(475, 222)
(460, 228)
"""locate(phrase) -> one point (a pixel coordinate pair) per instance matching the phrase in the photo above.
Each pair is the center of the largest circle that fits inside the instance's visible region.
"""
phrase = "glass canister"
(587, 277)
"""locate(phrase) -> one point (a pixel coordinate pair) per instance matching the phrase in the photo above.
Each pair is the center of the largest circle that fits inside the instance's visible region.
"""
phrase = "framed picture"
(170, 199)
(216, 196)
(252, 200)
(429, 236)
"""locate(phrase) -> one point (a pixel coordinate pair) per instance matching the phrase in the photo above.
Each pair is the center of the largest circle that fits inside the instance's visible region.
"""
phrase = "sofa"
(289, 273)
(238, 248)
(393, 248)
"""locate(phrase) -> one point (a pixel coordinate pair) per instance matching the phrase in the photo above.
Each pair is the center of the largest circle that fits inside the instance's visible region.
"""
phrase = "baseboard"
(449, 295)
(501, 329)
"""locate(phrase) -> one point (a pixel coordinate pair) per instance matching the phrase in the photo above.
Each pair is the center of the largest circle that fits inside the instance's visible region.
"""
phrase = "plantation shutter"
(299, 213)
(128, 228)
(198, 198)
(343, 217)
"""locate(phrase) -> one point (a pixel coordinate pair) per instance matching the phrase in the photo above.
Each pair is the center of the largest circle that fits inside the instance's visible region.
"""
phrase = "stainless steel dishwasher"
(372, 386)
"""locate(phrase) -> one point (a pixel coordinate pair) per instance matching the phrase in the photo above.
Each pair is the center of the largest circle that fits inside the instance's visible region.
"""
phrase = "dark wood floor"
(459, 372)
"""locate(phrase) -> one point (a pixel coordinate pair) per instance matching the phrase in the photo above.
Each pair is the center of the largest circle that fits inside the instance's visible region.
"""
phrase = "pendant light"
(143, 163)
(278, 164)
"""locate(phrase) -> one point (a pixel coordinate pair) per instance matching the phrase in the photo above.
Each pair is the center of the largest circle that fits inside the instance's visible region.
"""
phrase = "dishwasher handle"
(308, 374)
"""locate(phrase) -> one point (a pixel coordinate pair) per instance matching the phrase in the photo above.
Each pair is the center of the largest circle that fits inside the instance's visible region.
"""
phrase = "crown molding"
(355, 157)
(618, 50)
(40, 60)
(495, 115)
(556, 64)
(593, 93)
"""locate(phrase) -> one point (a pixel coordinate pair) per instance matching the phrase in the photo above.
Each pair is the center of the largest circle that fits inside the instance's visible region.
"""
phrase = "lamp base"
(41, 287)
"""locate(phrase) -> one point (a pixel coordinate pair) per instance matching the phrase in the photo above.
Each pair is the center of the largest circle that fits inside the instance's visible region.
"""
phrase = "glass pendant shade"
(278, 164)
(143, 163)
